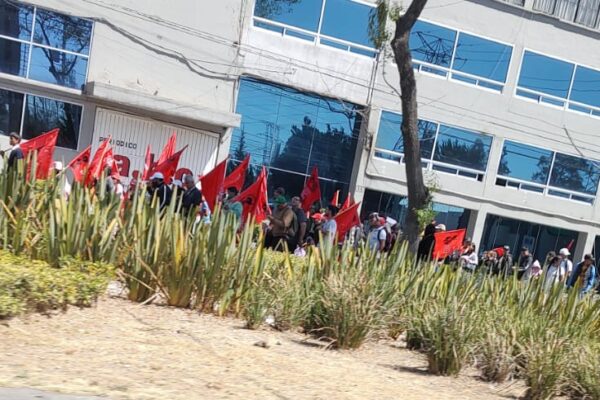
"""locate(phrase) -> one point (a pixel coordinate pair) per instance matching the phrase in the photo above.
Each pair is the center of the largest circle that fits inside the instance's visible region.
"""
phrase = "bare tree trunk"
(417, 191)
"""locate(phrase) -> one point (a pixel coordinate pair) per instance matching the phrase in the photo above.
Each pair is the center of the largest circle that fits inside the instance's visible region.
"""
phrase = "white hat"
(564, 252)
(58, 165)
(177, 182)
(157, 175)
(441, 227)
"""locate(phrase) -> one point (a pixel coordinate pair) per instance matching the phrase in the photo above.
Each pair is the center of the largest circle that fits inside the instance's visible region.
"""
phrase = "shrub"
(27, 285)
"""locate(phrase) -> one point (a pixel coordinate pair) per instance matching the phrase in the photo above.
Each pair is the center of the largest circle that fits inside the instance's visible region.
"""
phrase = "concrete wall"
(174, 61)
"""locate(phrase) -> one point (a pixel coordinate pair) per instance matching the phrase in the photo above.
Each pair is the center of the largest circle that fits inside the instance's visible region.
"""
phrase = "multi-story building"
(509, 99)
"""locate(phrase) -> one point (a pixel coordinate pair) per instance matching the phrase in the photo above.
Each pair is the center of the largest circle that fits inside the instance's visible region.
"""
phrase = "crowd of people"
(288, 227)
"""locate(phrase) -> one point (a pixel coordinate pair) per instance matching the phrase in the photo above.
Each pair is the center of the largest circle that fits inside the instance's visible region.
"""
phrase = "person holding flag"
(159, 189)
(15, 152)
(231, 205)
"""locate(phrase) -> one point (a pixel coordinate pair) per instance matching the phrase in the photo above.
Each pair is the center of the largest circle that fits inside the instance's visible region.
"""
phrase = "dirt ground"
(126, 351)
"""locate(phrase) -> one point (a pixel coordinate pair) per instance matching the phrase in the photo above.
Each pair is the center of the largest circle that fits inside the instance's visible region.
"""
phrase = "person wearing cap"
(15, 152)
(159, 189)
(584, 275)
(378, 234)
(58, 169)
(177, 191)
(564, 254)
(282, 226)
(191, 197)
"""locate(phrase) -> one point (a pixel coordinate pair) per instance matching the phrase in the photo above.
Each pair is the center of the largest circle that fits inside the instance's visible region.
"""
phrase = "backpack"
(389, 241)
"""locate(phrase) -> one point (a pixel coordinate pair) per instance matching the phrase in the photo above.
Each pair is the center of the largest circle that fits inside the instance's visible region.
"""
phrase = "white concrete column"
(476, 225)
(585, 243)
(366, 140)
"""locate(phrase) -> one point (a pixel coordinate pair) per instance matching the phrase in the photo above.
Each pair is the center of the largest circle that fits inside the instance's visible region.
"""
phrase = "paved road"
(32, 394)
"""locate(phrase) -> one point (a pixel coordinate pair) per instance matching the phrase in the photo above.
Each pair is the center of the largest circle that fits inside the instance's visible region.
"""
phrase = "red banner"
(238, 176)
(212, 184)
(346, 220)
(80, 164)
(44, 145)
(169, 166)
(447, 243)
(254, 199)
(312, 190)
(169, 149)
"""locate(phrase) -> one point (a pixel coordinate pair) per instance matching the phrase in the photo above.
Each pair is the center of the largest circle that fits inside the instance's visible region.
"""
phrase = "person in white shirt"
(378, 234)
(564, 254)
(469, 259)
(555, 274)
(329, 228)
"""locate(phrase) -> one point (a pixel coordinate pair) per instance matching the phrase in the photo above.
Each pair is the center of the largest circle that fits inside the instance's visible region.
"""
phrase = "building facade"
(509, 99)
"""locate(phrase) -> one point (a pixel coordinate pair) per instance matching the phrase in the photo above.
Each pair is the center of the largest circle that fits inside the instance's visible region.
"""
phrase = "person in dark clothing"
(427, 243)
(15, 153)
(302, 223)
(192, 197)
(524, 263)
(505, 262)
(158, 188)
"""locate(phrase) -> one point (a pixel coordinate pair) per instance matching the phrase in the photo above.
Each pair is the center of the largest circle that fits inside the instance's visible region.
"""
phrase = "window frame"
(317, 37)
(547, 189)
(429, 164)
(594, 111)
(450, 71)
(31, 43)
(44, 96)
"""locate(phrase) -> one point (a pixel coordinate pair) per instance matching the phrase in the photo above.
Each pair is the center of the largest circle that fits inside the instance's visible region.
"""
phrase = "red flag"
(80, 164)
(335, 200)
(312, 190)
(168, 150)
(44, 144)
(110, 162)
(570, 245)
(254, 199)
(99, 161)
(346, 219)
(238, 176)
(147, 164)
(447, 243)
(212, 184)
(169, 166)
(348, 202)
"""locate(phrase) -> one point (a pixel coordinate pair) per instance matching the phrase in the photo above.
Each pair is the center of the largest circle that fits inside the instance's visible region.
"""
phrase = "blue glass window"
(13, 57)
(586, 86)
(525, 162)
(545, 75)
(43, 114)
(432, 43)
(462, 148)
(15, 19)
(57, 67)
(575, 173)
(11, 110)
(58, 53)
(482, 57)
(389, 136)
(342, 19)
(291, 131)
(345, 20)
(62, 31)
(303, 14)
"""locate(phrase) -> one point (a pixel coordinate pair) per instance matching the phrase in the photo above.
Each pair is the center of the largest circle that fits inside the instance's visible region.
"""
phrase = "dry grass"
(127, 351)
